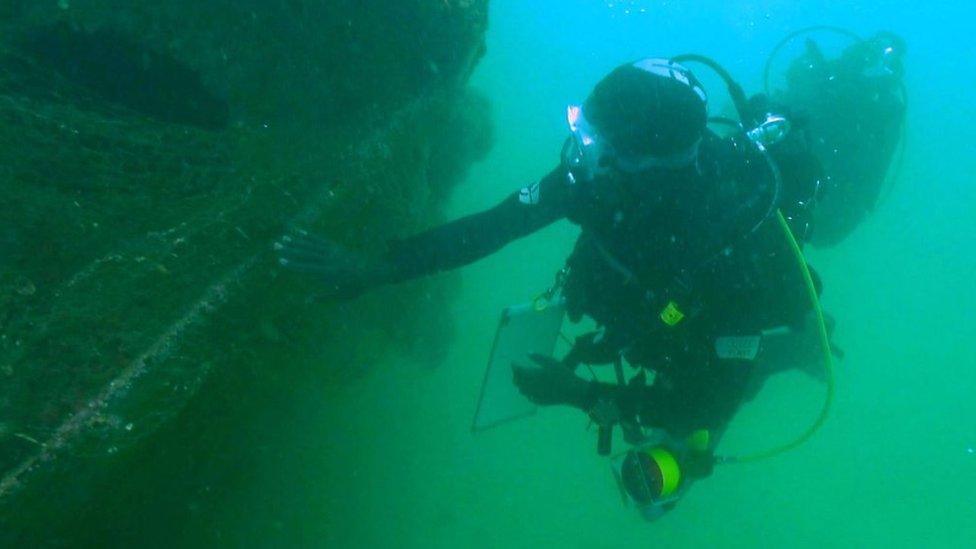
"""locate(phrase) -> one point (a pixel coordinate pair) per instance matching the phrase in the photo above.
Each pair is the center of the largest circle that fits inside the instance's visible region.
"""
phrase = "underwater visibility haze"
(199, 346)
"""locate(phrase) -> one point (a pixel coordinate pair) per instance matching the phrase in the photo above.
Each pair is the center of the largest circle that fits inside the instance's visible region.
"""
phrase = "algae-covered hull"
(149, 155)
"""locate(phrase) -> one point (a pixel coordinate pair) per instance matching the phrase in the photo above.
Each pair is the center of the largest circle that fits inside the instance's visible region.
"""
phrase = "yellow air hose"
(828, 363)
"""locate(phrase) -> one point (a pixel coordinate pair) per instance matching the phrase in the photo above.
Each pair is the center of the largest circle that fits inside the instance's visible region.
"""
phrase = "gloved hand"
(592, 348)
(344, 273)
(551, 382)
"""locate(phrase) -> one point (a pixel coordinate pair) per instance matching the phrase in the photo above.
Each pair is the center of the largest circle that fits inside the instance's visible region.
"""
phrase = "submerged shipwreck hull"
(149, 155)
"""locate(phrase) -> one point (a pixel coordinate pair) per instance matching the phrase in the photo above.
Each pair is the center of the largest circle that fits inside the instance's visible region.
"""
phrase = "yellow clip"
(672, 315)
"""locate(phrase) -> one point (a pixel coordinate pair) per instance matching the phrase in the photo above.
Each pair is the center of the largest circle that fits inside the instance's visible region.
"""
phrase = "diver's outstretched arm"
(470, 238)
(346, 273)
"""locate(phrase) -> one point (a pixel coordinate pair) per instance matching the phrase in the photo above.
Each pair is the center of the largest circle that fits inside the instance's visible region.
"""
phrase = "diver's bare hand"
(344, 273)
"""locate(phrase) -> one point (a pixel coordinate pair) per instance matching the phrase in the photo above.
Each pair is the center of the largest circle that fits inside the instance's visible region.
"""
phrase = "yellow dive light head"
(651, 478)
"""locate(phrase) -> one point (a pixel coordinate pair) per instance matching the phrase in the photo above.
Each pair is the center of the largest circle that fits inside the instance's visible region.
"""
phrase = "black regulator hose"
(738, 95)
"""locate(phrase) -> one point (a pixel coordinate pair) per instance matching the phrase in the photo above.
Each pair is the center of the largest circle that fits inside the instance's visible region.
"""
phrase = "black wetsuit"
(700, 237)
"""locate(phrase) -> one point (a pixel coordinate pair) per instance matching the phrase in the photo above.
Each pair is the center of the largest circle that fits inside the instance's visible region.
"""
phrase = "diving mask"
(586, 154)
(589, 155)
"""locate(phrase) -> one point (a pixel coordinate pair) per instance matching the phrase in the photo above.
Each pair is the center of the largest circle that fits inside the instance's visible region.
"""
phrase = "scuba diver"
(854, 110)
(681, 262)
